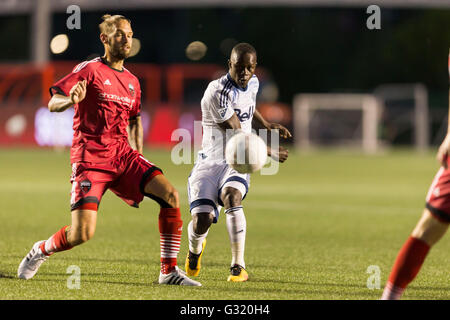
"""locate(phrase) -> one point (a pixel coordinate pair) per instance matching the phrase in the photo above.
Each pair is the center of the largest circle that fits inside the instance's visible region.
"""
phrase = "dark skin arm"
(136, 134)
(284, 133)
(280, 155)
(232, 123)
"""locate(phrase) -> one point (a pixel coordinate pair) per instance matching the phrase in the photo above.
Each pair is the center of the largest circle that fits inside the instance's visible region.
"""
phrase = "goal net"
(349, 120)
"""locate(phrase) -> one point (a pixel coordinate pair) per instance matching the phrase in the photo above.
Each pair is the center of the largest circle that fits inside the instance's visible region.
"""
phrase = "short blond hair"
(110, 22)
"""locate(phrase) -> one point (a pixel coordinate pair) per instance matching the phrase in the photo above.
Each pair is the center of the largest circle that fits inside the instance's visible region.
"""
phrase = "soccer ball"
(246, 152)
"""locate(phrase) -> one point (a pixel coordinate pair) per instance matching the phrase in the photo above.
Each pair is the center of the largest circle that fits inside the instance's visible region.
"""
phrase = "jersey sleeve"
(136, 111)
(256, 84)
(219, 101)
(81, 72)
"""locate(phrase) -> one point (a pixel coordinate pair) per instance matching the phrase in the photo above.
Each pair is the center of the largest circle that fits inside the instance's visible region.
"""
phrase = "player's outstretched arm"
(59, 102)
(284, 132)
(282, 153)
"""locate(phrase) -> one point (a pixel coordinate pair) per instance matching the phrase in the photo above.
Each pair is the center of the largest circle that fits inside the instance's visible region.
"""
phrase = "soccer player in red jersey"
(106, 153)
(429, 230)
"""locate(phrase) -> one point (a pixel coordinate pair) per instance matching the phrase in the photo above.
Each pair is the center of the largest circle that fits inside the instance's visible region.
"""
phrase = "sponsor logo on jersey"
(244, 116)
(107, 82)
(126, 101)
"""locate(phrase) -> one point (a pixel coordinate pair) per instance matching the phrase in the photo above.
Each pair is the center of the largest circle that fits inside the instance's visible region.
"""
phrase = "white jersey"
(221, 100)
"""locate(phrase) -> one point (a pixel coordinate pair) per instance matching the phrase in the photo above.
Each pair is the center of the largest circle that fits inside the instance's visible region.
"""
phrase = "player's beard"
(120, 53)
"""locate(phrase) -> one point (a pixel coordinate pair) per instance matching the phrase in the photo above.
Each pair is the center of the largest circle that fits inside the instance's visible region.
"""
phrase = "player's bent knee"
(173, 198)
(168, 198)
(202, 221)
(231, 197)
(429, 229)
(162, 191)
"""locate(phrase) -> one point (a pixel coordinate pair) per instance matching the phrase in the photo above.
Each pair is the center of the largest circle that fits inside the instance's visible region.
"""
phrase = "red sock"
(170, 229)
(57, 242)
(407, 264)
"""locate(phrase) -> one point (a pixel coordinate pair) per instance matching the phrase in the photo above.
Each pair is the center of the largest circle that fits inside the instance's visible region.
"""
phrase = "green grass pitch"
(312, 231)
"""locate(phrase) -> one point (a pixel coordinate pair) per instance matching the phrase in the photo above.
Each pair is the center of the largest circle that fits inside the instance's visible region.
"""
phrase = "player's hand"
(279, 155)
(78, 92)
(283, 132)
(444, 151)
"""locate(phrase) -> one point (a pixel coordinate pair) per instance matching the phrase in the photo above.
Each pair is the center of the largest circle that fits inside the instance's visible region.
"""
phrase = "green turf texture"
(312, 231)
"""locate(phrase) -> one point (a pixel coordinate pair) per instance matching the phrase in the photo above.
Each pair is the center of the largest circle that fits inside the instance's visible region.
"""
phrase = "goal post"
(407, 106)
(337, 119)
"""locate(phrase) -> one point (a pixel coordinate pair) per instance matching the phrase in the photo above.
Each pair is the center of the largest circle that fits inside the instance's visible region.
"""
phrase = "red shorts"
(438, 197)
(125, 176)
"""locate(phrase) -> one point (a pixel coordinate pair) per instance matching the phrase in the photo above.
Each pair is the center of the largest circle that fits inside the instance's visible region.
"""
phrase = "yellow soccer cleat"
(238, 274)
(193, 262)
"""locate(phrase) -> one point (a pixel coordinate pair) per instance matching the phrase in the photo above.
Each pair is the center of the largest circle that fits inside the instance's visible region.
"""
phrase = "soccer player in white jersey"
(228, 103)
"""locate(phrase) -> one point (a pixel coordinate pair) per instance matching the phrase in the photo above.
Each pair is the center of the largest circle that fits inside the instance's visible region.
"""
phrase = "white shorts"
(205, 184)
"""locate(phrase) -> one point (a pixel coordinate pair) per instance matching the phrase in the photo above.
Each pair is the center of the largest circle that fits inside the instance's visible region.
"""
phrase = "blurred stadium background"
(379, 95)
(304, 47)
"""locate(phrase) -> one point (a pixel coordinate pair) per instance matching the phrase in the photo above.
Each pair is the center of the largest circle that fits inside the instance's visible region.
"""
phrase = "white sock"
(237, 229)
(195, 240)
(392, 292)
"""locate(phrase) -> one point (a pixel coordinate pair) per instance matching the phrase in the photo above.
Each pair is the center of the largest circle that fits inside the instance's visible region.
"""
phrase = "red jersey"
(101, 119)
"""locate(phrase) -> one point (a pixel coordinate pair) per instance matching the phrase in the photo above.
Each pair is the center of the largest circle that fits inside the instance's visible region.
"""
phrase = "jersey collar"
(235, 84)
(104, 62)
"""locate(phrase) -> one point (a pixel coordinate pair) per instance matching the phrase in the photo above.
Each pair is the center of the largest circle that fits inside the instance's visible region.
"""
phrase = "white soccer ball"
(246, 152)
